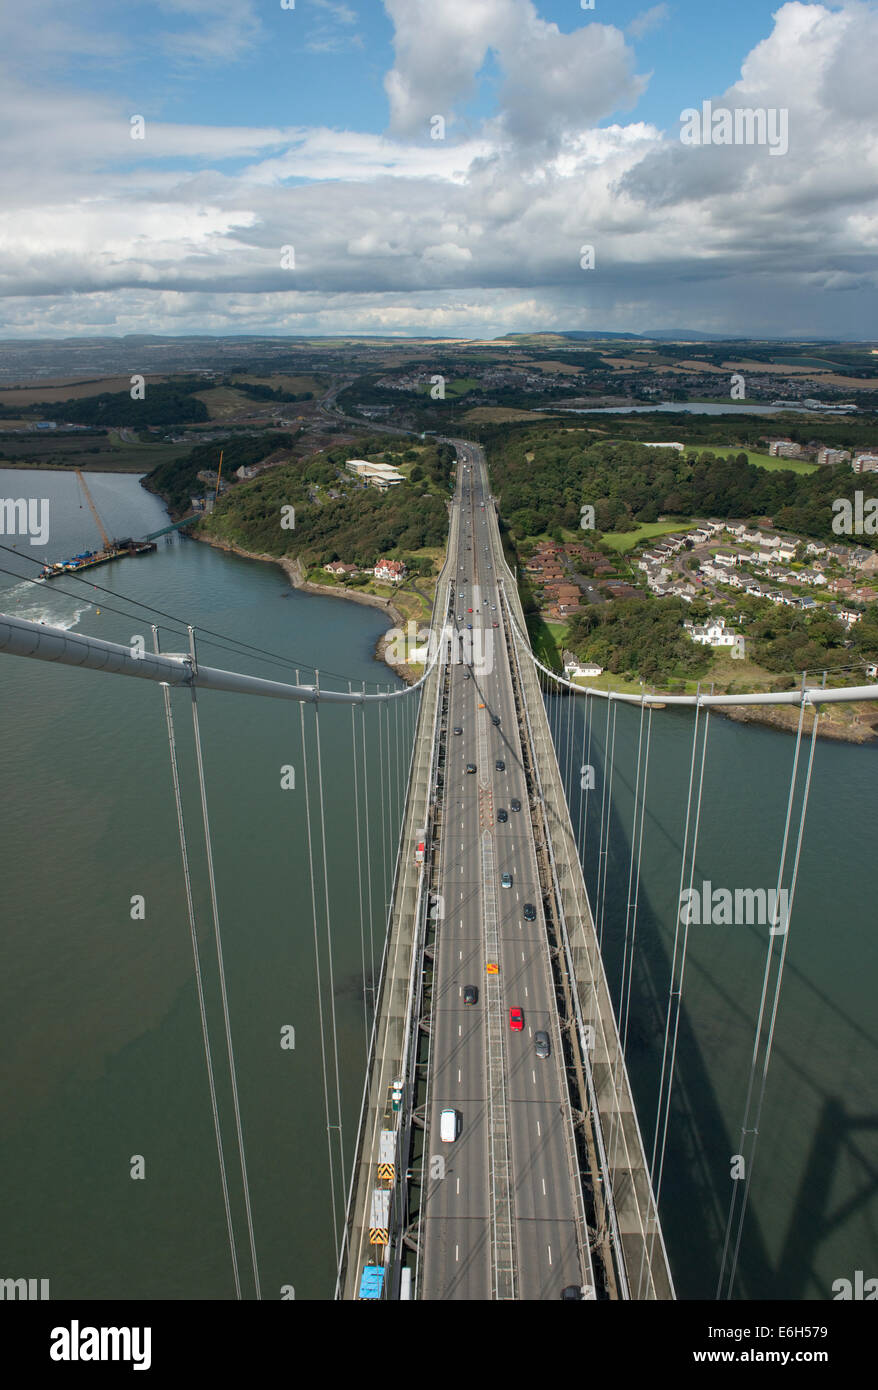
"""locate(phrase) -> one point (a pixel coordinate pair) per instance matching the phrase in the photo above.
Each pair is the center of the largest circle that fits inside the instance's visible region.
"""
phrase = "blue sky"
(267, 127)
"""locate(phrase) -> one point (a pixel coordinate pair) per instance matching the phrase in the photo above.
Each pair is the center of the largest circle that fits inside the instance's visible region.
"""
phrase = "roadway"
(462, 1213)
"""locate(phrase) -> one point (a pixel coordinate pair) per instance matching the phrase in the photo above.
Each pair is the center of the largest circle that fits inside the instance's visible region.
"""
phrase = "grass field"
(69, 391)
(772, 465)
(223, 401)
(622, 541)
(295, 385)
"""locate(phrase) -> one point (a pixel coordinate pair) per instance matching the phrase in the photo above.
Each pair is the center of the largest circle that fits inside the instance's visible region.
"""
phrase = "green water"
(102, 1050)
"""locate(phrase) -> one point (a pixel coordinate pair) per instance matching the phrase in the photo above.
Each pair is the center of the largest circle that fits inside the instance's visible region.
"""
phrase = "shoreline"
(293, 570)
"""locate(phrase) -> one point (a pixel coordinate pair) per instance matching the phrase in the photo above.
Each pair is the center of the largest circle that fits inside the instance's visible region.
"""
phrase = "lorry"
(420, 846)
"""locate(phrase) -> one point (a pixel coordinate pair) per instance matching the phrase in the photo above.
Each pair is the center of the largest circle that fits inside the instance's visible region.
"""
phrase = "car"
(515, 804)
(502, 815)
(505, 880)
(466, 675)
(469, 610)
(448, 1126)
(482, 705)
(500, 765)
(516, 1020)
(458, 729)
(470, 994)
(470, 767)
(571, 1293)
(495, 624)
(469, 627)
(530, 912)
(495, 718)
(541, 1043)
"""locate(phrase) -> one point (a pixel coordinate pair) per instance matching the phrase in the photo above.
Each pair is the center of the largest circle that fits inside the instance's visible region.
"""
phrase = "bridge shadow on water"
(813, 1203)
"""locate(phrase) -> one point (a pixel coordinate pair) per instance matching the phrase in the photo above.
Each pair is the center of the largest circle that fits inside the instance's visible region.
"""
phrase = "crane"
(94, 511)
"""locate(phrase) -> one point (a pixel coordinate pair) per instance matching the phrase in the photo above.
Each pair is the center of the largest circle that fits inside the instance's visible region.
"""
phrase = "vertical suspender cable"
(329, 951)
(369, 881)
(319, 987)
(214, 904)
(753, 1131)
(359, 867)
(626, 986)
(199, 983)
(605, 830)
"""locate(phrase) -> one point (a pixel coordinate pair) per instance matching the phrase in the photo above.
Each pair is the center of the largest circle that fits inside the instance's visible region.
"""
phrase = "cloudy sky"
(273, 166)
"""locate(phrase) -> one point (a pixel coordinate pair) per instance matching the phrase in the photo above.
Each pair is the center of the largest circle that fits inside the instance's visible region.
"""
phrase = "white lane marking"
(534, 1075)
(458, 1187)
(544, 1186)
(457, 1252)
(525, 991)
(522, 955)
(460, 1030)
(539, 1131)
(461, 924)
(460, 957)
(549, 1248)
(458, 1076)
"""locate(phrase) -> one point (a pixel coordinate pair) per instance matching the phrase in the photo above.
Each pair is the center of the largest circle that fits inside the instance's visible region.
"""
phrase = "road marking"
(539, 1131)
(458, 1076)
(460, 957)
(525, 991)
(457, 1252)
(460, 1030)
(522, 955)
(544, 1186)
(458, 1187)
(549, 1248)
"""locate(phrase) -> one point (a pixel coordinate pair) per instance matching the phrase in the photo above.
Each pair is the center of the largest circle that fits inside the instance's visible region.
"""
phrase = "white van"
(448, 1126)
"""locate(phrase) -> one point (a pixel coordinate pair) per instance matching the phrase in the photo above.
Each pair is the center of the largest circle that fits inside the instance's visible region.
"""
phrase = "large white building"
(381, 475)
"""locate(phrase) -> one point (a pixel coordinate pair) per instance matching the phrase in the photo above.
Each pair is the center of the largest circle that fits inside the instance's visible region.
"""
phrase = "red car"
(516, 1020)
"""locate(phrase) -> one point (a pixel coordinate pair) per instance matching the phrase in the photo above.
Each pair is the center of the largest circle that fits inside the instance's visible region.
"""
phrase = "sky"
(448, 168)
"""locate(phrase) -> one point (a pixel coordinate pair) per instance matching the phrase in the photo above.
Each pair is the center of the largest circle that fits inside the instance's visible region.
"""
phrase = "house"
(713, 633)
(389, 571)
(727, 558)
(340, 570)
(573, 667)
(831, 456)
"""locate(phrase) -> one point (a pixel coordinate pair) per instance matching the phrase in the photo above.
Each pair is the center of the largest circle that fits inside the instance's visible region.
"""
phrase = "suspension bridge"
(498, 1154)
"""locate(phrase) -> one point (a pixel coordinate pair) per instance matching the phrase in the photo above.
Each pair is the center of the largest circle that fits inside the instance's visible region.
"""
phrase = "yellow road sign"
(378, 1235)
(493, 969)
(385, 1172)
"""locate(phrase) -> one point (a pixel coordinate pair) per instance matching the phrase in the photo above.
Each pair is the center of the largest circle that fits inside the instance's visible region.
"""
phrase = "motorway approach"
(501, 1210)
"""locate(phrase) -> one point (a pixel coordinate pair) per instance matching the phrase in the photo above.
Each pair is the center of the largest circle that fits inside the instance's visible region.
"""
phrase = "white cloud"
(648, 20)
(183, 230)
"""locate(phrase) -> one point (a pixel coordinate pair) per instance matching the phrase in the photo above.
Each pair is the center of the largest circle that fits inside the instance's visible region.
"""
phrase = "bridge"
(491, 1012)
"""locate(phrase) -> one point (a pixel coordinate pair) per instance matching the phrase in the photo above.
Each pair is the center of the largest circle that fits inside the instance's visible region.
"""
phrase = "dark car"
(470, 767)
(470, 994)
(572, 1291)
(495, 718)
(458, 729)
(500, 765)
(530, 912)
(515, 804)
(502, 816)
(541, 1042)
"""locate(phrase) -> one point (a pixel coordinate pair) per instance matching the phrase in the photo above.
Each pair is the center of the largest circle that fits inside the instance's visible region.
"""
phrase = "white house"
(712, 634)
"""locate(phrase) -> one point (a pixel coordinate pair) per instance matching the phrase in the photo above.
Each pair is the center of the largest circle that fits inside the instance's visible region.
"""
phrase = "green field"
(769, 463)
(626, 540)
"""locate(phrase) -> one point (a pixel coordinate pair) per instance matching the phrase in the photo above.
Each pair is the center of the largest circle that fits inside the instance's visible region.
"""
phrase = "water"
(813, 1207)
(102, 1051)
(101, 1047)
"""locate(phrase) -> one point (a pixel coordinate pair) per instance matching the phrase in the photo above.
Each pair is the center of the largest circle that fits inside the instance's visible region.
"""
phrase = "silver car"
(541, 1042)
